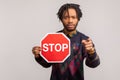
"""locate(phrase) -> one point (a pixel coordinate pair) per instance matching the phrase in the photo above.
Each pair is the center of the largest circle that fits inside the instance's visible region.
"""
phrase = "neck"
(69, 32)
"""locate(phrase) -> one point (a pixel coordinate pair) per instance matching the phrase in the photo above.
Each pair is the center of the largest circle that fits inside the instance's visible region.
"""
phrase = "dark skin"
(70, 22)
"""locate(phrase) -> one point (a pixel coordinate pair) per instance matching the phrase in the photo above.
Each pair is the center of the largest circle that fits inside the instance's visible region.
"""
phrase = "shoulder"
(82, 35)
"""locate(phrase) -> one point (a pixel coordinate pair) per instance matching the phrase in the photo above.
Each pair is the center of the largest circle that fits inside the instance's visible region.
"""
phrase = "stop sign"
(55, 47)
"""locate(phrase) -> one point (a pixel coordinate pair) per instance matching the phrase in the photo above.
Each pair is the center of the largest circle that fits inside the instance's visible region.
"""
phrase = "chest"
(76, 46)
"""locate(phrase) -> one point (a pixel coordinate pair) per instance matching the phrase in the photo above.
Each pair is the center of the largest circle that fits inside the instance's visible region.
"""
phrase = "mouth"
(70, 26)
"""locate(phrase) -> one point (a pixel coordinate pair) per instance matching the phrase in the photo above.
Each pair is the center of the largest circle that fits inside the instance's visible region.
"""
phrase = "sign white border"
(65, 57)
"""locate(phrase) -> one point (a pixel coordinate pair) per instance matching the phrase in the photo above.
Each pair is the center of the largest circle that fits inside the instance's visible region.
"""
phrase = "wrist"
(37, 55)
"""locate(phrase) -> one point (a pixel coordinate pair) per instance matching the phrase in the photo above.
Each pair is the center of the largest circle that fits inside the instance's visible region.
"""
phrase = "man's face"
(70, 19)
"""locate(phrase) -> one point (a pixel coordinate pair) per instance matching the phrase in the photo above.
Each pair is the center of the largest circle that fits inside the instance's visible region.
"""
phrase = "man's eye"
(73, 17)
(65, 17)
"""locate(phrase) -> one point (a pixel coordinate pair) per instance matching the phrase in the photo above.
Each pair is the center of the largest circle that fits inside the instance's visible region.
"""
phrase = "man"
(81, 47)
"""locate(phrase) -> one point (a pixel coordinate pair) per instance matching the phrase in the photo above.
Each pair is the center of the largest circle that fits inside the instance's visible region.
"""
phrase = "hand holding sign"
(36, 51)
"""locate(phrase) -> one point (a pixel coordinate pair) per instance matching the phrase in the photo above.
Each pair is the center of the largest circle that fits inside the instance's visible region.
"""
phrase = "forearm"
(42, 62)
(92, 60)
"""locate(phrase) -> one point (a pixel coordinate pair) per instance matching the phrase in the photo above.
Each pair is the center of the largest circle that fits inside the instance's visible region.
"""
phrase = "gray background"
(23, 23)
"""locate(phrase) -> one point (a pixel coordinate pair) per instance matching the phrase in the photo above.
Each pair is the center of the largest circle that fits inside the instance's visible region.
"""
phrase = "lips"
(70, 26)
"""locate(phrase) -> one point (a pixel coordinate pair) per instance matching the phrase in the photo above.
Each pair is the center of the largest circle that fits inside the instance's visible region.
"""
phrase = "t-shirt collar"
(70, 34)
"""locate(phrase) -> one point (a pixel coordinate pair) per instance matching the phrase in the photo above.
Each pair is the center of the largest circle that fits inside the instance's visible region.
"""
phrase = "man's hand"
(36, 51)
(88, 46)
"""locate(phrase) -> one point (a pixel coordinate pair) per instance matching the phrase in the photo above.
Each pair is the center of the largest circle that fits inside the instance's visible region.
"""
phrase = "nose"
(70, 19)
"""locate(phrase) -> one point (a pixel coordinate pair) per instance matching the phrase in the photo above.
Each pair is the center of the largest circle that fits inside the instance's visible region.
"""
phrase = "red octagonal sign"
(55, 47)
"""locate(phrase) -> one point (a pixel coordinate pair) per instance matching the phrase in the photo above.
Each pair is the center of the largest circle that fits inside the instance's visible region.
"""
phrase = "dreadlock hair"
(66, 7)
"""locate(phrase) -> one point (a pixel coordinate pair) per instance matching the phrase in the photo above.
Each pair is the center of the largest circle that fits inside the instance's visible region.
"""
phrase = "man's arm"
(36, 50)
(42, 62)
(92, 60)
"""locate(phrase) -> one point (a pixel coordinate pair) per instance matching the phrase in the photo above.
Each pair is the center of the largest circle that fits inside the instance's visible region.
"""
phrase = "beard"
(70, 27)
